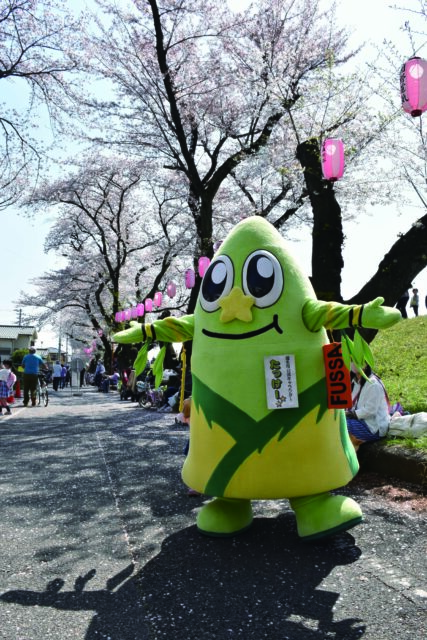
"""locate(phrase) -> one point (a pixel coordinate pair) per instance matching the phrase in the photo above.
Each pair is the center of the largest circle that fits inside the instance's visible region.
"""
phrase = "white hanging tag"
(281, 382)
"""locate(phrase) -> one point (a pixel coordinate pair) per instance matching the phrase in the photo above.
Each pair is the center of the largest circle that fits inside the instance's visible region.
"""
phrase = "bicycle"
(148, 397)
(42, 392)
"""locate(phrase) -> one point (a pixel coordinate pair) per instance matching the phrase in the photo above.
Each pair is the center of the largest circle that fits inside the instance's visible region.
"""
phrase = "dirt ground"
(400, 495)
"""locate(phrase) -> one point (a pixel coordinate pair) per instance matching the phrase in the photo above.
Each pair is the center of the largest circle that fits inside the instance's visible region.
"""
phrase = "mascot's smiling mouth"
(248, 334)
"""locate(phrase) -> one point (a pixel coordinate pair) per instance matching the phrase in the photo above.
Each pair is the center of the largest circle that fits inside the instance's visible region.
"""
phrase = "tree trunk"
(205, 244)
(327, 233)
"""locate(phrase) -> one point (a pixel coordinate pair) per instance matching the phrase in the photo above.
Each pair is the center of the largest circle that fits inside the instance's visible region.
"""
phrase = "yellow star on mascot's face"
(236, 306)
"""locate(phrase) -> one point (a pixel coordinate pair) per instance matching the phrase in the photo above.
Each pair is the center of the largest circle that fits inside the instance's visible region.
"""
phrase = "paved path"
(98, 541)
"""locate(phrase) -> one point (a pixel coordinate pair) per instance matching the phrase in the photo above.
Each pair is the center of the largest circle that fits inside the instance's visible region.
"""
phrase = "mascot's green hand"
(131, 335)
(374, 316)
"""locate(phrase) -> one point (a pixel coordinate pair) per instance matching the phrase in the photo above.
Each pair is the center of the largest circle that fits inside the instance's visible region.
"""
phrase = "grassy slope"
(401, 361)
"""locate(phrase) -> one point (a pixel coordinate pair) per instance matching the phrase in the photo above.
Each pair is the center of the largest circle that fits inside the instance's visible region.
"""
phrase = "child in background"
(186, 410)
(415, 301)
(184, 416)
(7, 380)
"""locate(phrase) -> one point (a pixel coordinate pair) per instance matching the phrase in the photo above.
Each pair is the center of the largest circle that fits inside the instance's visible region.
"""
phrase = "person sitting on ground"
(110, 381)
(369, 418)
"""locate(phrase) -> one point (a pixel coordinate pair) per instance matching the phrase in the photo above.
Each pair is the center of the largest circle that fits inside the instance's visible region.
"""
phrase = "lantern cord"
(184, 367)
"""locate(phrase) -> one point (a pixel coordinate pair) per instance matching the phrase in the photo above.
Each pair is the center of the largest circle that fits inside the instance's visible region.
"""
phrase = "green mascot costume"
(260, 427)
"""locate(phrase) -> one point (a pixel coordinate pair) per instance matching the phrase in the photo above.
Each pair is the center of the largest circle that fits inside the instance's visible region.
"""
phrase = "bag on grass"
(412, 426)
(397, 408)
(174, 400)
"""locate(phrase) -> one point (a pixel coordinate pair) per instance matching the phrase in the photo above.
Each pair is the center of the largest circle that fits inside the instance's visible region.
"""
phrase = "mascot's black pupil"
(260, 276)
(214, 281)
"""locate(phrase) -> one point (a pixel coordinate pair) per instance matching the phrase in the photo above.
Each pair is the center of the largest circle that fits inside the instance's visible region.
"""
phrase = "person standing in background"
(415, 301)
(402, 302)
(63, 376)
(31, 363)
(56, 375)
(99, 374)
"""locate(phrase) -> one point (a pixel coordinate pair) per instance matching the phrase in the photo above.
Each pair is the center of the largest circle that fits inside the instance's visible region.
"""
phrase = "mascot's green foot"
(224, 517)
(324, 514)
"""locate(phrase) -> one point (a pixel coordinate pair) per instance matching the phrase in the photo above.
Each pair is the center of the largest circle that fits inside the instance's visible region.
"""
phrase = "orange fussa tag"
(337, 377)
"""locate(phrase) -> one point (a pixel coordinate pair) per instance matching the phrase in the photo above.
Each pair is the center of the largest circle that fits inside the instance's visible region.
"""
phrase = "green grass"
(410, 443)
(401, 361)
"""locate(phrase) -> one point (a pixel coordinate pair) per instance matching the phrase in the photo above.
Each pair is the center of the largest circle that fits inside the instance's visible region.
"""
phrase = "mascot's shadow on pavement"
(265, 583)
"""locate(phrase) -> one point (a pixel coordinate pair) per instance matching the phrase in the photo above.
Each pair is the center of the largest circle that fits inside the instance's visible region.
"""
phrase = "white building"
(13, 337)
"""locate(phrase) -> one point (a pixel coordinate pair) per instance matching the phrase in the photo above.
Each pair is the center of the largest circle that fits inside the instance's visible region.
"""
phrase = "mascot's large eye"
(217, 283)
(262, 278)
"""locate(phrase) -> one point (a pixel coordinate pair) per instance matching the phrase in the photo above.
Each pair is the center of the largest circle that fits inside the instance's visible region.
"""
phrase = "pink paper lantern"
(140, 309)
(134, 313)
(190, 278)
(413, 86)
(122, 316)
(204, 263)
(171, 289)
(128, 314)
(88, 350)
(158, 299)
(333, 159)
(148, 305)
(118, 316)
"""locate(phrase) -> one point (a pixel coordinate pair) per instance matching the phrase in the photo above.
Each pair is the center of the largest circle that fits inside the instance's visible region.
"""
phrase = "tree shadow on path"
(118, 611)
(265, 583)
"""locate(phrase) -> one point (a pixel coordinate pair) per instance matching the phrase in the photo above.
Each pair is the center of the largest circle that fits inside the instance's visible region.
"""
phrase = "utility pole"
(59, 341)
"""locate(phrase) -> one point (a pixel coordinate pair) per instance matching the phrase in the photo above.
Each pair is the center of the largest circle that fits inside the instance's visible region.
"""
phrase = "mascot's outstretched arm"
(318, 314)
(166, 330)
(333, 315)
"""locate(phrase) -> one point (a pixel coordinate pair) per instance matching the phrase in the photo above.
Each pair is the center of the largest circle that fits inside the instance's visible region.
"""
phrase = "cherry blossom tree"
(204, 91)
(227, 111)
(116, 253)
(237, 104)
(37, 39)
